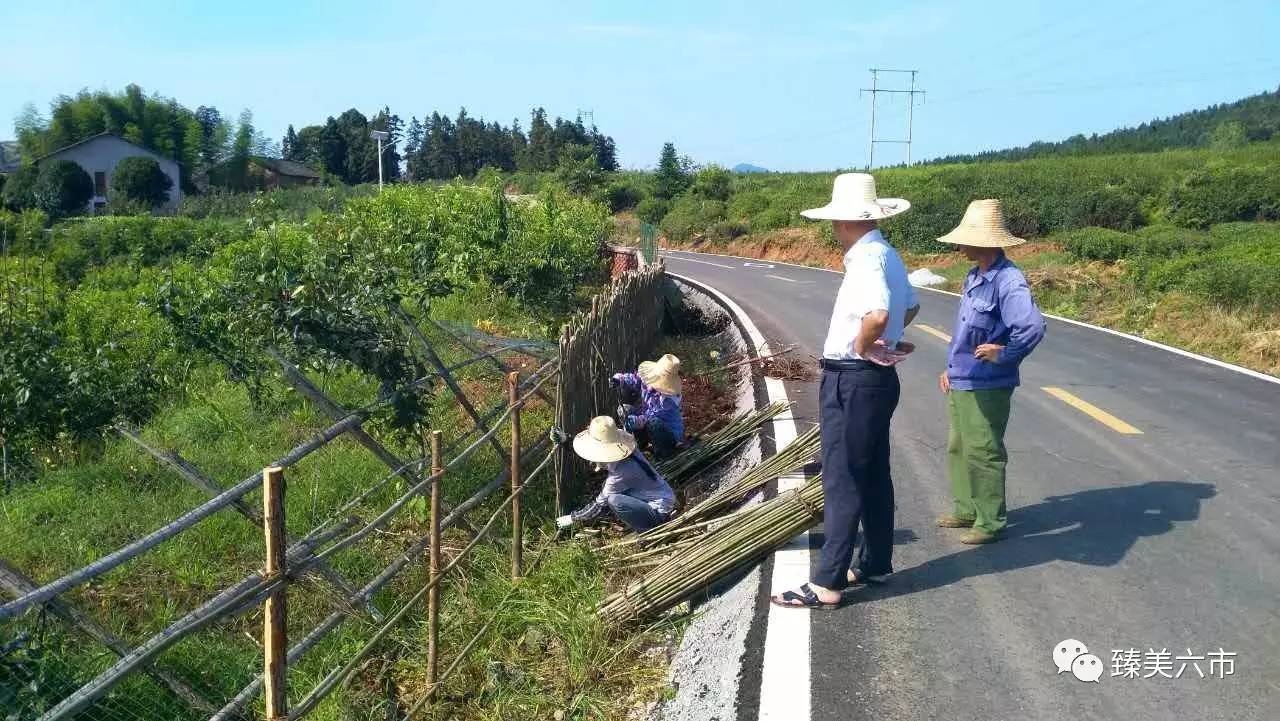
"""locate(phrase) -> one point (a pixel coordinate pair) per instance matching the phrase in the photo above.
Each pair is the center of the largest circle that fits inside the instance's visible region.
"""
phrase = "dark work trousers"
(856, 407)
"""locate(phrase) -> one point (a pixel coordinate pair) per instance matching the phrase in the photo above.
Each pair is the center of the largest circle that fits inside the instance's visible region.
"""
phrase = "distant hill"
(749, 168)
(1254, 118)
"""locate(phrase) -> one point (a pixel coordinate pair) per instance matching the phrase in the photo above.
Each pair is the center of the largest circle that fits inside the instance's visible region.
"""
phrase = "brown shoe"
(948, 520)
(976, 537)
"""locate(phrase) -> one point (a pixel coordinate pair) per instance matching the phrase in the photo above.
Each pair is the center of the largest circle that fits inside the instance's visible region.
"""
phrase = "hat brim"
(601, 452)
(879, 210)
(978, 238)
(665, 382)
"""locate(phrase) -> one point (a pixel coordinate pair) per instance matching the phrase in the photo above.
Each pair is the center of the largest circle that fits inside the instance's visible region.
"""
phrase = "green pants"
(976, 455)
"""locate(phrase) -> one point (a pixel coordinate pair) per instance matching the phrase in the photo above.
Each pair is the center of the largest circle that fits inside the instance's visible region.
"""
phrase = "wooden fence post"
(275, 641)
(433, 595)
(517, 530)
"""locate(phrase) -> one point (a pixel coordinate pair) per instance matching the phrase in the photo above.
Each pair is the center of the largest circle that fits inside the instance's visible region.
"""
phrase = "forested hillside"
(1229, 125)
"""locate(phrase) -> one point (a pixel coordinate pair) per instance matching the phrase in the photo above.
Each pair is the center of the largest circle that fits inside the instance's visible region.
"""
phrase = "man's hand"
(944, 383)
(881, 354)
(905, 346)
(989, 352)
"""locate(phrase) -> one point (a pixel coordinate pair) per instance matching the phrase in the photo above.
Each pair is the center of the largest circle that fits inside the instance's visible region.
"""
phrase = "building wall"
(100, 155)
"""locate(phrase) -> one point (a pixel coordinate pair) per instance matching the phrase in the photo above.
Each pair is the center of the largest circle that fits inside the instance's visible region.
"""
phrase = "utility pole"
(380, 135)
(911, 102)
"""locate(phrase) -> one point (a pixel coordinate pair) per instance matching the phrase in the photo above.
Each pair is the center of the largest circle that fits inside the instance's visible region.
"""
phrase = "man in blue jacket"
(997, 326)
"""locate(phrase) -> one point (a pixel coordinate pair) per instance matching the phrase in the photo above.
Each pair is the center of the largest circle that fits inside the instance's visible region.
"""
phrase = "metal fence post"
(433, 594)
(275, 643)
(517, 530)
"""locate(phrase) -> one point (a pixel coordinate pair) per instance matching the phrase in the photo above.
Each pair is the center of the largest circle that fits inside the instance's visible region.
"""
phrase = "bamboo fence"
(621, 329)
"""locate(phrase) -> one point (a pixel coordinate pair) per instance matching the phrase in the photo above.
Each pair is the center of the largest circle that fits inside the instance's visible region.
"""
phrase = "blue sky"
(770, 83)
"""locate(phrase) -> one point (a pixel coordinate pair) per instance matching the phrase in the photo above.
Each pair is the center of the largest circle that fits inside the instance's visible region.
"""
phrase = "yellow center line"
(1092, 411)
(932, 331)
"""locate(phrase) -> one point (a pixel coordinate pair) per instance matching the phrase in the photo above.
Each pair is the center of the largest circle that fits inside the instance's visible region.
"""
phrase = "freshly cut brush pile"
(744, 538)
(717, 445)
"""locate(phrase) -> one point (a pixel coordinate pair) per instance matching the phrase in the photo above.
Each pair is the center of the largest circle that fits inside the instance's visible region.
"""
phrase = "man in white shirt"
(859, 393)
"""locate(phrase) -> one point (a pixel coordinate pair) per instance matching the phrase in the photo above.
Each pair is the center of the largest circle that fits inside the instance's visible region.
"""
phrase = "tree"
(606, 151)
(140, 180)
(289, 146)
(62, 188)
(19, 190)
(237, 166)
(712, 183)
(578, 170)
(672, 177)
(412, 147)
(1227, 135)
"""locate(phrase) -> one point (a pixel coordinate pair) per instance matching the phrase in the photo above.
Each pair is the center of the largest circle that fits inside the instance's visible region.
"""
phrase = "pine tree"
(672, 177)
(289, 145)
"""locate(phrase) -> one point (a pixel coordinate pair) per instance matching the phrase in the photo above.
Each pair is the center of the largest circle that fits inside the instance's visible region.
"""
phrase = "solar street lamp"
(379, 135)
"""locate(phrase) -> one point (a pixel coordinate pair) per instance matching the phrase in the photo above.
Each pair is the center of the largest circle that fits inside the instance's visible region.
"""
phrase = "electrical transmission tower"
(911, 94)
(588, 117)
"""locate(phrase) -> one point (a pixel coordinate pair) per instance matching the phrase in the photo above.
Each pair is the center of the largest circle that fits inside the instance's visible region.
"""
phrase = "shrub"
(19, 189)
(1098, 244)
(139, 179)
(712, 183)
(746, 205)
(728, 230)
(1223, 194)
(1107, 207)
(772, 219)
(578, 170)
(62, 188)
(620, 194)
(1239, 274)
(690, 215)
(652, 210)
(122, 358)
(23, 231)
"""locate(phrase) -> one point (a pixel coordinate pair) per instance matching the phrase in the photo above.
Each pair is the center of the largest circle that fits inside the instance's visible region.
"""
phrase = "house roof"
(286, 167)
(9, 160)
(106, 134)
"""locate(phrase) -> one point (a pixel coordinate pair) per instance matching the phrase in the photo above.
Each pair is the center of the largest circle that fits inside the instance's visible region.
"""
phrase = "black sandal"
(806, 598)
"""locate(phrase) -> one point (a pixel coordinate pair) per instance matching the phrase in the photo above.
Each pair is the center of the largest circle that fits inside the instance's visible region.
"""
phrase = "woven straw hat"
(662, 375)
(982, 227)
(603, 441)
(853, 197)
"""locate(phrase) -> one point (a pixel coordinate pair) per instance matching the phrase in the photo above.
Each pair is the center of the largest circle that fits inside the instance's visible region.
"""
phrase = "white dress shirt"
(874, 279)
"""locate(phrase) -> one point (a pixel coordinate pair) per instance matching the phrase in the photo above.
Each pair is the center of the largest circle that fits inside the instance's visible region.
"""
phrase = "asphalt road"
(1167, 539)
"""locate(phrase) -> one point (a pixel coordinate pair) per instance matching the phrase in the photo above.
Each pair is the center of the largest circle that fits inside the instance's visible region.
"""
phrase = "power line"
(911, 104)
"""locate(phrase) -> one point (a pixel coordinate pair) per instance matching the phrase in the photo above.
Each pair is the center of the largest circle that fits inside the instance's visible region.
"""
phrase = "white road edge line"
(1118, 333)
(778, 277)
(785, 693)
(718, 265)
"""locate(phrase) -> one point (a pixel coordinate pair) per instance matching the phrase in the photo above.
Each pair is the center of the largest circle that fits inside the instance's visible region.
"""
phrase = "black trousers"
(856, 407)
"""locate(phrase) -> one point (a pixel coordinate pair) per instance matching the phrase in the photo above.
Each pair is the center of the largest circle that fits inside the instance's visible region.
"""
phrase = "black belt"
(849, 364)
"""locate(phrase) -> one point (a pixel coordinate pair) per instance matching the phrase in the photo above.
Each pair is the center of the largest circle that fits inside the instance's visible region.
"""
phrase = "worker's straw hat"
(853, 197)
(604, 441)
(662, 375)
(982, 227)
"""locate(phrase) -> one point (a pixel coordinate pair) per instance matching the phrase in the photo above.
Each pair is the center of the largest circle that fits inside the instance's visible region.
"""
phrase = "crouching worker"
(633, 490)
(651, 404)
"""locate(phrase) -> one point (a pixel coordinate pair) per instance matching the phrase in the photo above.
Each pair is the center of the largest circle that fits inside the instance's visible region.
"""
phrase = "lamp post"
(379, 135)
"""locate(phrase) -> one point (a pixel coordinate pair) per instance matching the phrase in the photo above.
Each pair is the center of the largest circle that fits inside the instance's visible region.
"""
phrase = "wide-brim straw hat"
(662, 375)
(982, 227)
(853, 197)
(603, 441)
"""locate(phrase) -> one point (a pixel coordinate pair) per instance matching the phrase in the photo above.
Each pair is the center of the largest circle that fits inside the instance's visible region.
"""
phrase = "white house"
(98, 156)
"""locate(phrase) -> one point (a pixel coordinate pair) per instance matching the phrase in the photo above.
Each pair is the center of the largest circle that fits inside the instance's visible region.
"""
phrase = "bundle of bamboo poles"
(744, 538)
(682, 468)
(795, 456)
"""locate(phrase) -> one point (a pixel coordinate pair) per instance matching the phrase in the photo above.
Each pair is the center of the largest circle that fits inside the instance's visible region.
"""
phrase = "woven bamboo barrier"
(621, 329)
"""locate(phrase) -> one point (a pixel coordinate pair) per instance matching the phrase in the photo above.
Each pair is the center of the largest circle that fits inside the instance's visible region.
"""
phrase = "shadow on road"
(1095, 527)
